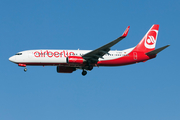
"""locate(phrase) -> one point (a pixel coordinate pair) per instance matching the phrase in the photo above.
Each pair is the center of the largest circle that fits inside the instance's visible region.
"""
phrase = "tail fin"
(148, 42)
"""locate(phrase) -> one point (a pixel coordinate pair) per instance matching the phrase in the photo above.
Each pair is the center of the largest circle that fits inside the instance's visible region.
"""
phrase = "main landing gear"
(88, 67)
(84, 72)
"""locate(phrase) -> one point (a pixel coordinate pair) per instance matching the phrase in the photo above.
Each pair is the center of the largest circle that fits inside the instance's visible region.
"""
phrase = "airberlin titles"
(53, 54)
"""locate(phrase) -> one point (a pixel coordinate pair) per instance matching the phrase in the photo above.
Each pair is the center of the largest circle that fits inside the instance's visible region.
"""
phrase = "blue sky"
(141, 91)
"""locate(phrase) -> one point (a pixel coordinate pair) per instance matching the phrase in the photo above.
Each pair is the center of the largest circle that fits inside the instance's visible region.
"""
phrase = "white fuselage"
(58, 57)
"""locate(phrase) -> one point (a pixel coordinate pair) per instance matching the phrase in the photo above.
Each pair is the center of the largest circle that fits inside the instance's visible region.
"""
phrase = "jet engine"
(75, 60)
(62, 69)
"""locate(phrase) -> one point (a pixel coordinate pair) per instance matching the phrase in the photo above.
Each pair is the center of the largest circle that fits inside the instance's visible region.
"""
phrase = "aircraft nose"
(12, 59)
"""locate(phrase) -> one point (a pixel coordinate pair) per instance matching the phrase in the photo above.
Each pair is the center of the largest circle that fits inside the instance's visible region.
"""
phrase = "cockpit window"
(18, 53)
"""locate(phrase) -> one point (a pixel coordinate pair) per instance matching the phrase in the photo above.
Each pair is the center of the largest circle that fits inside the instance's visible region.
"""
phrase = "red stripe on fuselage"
(131, 58)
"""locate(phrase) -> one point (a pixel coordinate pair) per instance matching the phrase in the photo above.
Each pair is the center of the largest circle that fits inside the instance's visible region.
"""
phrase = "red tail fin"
(148, 42)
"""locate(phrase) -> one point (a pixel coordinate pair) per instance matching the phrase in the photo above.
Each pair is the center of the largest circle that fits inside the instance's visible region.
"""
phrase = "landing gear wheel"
(84, 73)
(25, 69)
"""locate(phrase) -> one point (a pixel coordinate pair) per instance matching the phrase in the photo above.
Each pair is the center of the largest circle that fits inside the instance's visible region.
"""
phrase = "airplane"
(68, 61)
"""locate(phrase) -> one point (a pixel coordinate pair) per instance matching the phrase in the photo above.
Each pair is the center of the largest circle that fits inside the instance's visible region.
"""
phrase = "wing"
(94, 55)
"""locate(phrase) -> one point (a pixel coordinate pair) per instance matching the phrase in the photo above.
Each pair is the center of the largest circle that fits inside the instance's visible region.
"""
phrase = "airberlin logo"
(150, 39)
(53, 54)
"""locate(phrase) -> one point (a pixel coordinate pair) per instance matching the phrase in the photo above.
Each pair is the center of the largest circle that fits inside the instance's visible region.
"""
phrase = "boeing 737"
(68, 61)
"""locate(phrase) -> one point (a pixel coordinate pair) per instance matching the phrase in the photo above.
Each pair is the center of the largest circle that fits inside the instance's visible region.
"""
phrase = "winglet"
(125, 32)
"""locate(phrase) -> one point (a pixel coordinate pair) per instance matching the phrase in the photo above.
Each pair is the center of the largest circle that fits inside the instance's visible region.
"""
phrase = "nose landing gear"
(23, 65)
(25, 69)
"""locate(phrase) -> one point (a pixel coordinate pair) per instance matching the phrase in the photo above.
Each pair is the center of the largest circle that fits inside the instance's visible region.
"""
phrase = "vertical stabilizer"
(148, 42)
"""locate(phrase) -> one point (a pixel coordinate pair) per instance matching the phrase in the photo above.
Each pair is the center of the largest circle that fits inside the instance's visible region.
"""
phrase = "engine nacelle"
(75, 60)
(62, 69)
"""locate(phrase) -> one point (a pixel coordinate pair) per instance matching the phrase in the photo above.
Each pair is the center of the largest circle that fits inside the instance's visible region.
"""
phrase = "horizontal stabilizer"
(154, 52)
